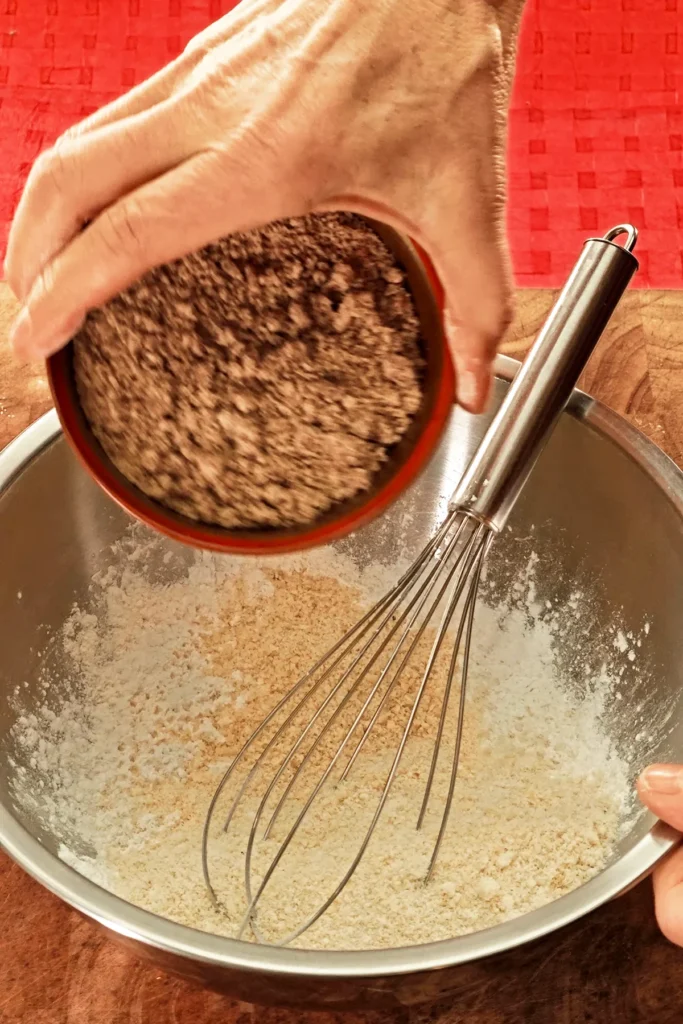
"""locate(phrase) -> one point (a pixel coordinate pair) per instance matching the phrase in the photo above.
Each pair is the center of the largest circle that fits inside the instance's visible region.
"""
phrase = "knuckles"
(121, 229)
(54, 173)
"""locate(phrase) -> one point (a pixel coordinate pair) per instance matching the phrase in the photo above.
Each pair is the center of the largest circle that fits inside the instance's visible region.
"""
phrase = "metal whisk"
(363, 677)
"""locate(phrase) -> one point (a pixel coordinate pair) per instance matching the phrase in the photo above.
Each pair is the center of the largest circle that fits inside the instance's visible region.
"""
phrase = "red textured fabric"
(596, 124)
(597, 135)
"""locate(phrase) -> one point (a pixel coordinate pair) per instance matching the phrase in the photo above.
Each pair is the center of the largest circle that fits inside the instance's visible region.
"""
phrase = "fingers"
(246, 15)
(660, 787)
(149, 131)
(142, 97)
(161, 85)
(161, 221)
(71, 183)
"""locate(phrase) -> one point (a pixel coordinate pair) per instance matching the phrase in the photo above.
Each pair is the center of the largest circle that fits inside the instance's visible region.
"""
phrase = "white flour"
(168, 678)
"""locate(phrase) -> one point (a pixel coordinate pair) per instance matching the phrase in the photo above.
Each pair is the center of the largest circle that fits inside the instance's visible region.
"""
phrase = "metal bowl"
(604, 507)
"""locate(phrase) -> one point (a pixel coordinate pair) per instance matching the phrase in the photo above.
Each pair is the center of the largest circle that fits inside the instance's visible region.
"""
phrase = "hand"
(391, 108)
(660, 787)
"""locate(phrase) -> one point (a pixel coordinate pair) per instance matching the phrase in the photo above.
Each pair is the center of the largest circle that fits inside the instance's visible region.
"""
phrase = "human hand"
(395, 109)
(660, 787)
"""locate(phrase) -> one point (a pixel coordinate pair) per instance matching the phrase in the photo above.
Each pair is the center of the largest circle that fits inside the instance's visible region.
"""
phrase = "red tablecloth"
(596, 125)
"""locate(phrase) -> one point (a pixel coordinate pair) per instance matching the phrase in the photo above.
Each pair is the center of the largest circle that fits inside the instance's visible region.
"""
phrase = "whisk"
(427, 616)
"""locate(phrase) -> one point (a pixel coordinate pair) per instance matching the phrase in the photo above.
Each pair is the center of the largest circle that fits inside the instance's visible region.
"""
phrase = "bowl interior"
(596, 521)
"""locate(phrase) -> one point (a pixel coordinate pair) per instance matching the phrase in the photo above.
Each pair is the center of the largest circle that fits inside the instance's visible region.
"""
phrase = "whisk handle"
(546, 379)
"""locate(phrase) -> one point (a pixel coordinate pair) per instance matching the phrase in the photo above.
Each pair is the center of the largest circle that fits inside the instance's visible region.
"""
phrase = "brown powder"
(261, 380)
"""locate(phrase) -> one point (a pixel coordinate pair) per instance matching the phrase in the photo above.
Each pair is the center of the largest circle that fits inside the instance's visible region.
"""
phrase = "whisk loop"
(357, 684)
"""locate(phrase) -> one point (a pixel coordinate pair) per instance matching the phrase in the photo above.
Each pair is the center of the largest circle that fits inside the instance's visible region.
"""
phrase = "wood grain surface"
(612, 967)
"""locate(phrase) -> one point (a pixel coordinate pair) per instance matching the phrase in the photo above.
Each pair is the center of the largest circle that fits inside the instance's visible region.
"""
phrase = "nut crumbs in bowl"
(260, 381)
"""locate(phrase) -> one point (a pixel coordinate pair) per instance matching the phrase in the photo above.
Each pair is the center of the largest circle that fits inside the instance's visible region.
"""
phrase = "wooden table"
(610, 968)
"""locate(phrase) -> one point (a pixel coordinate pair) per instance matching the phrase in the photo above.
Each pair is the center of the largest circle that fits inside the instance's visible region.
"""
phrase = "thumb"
(467, 245)
(463, 231)
(660, 787)
(474, 329)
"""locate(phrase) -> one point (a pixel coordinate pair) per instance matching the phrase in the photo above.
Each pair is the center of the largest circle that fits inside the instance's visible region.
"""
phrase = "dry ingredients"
(261, 380)
(169, 678)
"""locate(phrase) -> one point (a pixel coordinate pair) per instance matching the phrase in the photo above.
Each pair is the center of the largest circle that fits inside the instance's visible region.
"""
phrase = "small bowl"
(408, 458)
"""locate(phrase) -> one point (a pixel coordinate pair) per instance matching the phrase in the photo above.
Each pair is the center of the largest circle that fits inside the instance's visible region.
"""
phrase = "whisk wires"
(365, 667)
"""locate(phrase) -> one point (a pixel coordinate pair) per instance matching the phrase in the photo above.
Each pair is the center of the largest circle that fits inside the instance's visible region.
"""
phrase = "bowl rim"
(136, 924)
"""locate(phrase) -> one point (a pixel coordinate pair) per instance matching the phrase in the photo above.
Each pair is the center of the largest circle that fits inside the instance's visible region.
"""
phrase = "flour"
(170, 668)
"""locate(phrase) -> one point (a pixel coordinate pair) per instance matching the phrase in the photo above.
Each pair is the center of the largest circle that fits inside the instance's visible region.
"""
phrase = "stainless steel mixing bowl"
(603, 511)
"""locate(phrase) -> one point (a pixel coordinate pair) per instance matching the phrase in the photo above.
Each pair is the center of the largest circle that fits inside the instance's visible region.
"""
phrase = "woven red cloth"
(596, 124)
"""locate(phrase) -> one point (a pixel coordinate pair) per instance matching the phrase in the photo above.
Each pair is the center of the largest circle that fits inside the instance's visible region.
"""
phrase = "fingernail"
(469, 389)
(664, 779)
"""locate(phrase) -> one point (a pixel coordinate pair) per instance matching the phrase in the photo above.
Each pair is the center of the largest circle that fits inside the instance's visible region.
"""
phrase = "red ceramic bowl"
(407, 459)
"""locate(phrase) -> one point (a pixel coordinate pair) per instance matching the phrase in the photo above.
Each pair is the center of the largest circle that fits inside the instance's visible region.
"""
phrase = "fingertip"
(648, 796)
(662, 794)
(20, 335)
(10, 278)
(642, 784)
(29, 345)
(662, 780)
(670, 923)
(473, 387)
(473, 359)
